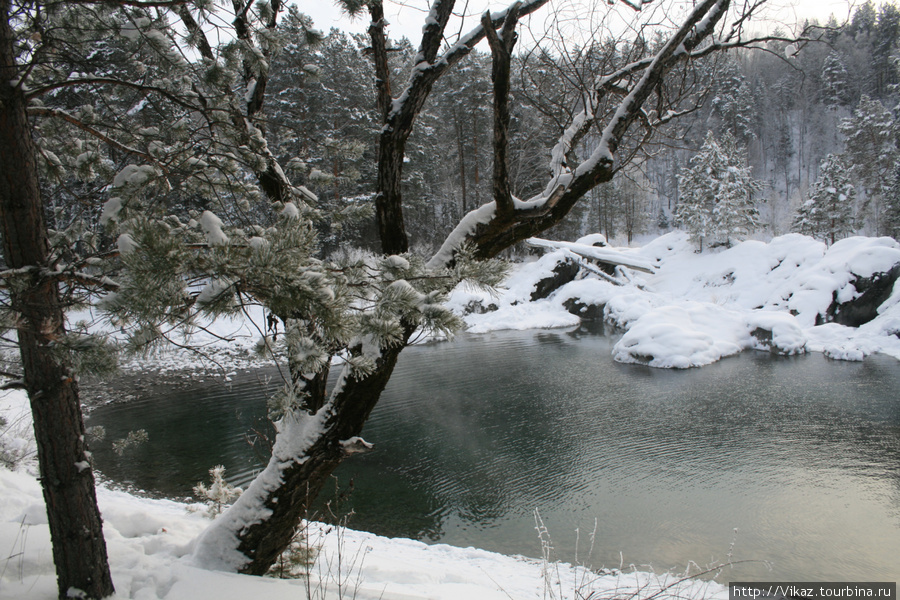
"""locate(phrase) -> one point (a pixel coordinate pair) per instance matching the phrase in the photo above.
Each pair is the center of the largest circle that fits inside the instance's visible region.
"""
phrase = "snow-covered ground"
(699, 308)
(695, 309)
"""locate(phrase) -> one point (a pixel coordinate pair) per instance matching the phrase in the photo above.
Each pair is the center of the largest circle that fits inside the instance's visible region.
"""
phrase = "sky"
(405, 17)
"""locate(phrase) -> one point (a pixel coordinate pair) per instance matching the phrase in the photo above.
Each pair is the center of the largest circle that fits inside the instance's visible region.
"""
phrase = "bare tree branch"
(501, 58)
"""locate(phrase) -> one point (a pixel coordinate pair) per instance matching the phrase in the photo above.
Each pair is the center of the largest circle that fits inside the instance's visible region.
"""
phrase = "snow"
(601, 254)
(692, 310)
(250, 91)
(134, 175)
(699, 308)
(260, 244)
(290, 211)
(111, 209)
(213, 290)
(479, 216)
(212, 229)
(691, 334)
(126, 244)
(396, 262)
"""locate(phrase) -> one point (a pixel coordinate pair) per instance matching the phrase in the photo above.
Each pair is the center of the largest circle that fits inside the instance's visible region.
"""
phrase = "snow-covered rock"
(790, 295)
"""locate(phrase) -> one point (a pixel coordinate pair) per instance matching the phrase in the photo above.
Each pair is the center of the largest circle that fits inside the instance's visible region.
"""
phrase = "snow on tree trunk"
(253, 533)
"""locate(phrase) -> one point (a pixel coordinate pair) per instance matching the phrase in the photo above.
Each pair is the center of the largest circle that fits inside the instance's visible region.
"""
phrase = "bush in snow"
(219, 494)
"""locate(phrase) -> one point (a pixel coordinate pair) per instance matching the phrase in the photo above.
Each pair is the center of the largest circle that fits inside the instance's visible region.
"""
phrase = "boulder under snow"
(788, 296)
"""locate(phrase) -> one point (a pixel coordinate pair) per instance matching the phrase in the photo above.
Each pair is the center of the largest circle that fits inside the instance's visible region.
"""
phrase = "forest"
(171, 162)
(787, 108)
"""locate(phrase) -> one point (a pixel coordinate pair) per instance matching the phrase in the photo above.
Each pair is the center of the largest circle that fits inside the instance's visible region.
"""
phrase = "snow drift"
(788, 296)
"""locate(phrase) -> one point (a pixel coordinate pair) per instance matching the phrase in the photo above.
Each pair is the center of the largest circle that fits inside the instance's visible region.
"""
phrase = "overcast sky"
(406, 17)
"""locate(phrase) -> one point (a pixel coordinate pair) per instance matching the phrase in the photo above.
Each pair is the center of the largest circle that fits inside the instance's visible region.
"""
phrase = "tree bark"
(461, 153)
(501, 59)
(347, 413)
(79, 550)
(288, 486)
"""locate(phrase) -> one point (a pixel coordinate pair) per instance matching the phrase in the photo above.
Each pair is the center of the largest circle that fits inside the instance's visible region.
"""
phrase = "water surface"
(792, 460)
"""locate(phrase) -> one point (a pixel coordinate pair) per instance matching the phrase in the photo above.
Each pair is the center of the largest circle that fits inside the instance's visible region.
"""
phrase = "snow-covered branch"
(567, 184)
(73, 120)
(93, 82)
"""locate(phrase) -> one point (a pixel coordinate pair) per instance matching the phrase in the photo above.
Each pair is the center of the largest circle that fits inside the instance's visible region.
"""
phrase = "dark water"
(800, 455)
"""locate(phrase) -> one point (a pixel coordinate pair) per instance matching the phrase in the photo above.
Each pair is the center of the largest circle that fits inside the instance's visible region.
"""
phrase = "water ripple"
(801, 455)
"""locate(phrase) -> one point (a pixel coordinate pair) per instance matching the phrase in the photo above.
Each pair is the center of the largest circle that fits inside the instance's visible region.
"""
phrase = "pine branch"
(137, 3)
(73, 120)
(33, 93)
(196, 32)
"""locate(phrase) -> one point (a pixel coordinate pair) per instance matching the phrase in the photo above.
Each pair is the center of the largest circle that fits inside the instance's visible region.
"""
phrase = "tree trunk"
(261, 524)
(79, 550)
(388, 203)
(477, 172)
(460, 150)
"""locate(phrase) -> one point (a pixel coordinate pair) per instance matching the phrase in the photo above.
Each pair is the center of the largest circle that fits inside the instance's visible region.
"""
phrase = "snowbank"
(698, 308)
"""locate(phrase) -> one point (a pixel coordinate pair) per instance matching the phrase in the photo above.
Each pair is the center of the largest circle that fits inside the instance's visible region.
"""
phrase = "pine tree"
(828, 213)
(36, 306)
(836, 90)
(734, 102)
(716, 202)
(871, 150)
(320, 124)
(884, 46)
(891, 216)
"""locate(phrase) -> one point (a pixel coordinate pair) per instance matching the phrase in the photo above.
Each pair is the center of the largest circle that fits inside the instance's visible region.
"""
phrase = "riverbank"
(150, 543)
(790, 295)
(695, 309)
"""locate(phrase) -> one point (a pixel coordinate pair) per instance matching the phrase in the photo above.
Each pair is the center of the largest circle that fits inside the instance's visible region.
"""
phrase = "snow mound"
(682, 336)
(695, 309)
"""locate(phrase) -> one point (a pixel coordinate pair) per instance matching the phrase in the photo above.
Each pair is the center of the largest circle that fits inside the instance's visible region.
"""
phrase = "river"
(790, 460)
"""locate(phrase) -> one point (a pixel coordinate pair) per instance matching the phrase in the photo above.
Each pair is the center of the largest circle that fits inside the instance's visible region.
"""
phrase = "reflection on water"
(801, 455)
